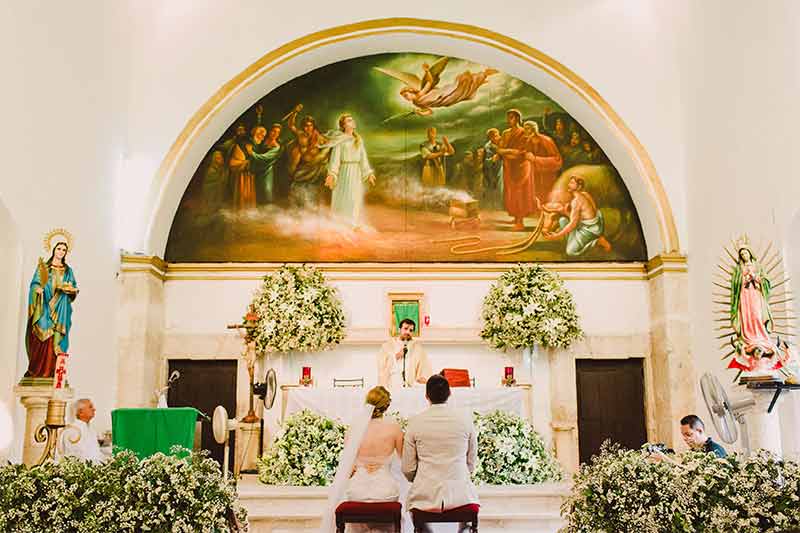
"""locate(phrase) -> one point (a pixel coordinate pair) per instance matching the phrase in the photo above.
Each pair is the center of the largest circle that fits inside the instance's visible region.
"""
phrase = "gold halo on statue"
(743, 243)
(55, 236)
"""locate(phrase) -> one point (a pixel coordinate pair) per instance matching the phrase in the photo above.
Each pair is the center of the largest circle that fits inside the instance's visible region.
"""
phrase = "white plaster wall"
(11, 311)
(742, 82)
(58, 137)
(607, 308)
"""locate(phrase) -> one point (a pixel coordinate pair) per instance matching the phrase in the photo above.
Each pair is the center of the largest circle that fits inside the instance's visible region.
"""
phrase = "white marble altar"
(506, 509)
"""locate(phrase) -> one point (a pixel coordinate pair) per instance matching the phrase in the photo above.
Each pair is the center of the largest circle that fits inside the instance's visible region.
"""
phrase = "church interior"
(268, 234)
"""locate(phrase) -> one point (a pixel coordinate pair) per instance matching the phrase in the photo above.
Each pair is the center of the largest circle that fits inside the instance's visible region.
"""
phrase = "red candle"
(510, 372)
(60, 373)
(306, 372)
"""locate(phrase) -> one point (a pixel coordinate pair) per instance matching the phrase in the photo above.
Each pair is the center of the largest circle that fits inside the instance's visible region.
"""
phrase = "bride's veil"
(358, 428)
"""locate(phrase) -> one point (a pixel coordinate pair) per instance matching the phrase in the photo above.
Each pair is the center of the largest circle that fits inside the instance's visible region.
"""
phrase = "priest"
(402, 361)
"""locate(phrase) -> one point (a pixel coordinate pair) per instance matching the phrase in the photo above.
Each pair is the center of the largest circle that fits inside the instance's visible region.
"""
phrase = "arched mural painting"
(405, 157)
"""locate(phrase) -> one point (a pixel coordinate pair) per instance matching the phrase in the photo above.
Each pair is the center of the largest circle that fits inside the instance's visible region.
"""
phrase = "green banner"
(404, 310)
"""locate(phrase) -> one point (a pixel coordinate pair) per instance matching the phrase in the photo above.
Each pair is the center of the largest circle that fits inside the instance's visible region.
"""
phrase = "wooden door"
(204, 385)
(610, 404)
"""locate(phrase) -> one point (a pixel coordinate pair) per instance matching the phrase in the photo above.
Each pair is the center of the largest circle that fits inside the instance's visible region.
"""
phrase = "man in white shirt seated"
(79, 439)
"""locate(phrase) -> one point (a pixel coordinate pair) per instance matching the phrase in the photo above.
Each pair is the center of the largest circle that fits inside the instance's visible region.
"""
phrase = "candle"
(306, 379)
(510, 372)
(60, 372)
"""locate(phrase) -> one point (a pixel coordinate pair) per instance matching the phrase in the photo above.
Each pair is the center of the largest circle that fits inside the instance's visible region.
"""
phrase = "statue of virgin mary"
(751, 317)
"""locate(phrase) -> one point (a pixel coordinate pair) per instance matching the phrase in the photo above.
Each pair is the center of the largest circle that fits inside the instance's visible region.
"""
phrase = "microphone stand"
(405, 351)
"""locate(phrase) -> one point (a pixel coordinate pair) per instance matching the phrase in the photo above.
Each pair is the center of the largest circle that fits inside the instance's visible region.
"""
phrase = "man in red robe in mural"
(518, 187)
(544, 157)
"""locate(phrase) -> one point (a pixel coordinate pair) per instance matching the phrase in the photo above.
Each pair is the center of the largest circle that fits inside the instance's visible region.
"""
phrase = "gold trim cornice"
(666, 222)
(666, 263)
(156, 266)
(147, 264)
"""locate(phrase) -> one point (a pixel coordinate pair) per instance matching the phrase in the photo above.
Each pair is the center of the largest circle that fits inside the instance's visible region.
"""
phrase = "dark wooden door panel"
(610, 404)
(204, 385)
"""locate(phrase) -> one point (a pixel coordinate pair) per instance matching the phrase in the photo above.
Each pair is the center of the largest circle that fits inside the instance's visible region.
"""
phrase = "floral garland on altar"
(529, 305)
(306, 453)
(510, 452)
(295, 310)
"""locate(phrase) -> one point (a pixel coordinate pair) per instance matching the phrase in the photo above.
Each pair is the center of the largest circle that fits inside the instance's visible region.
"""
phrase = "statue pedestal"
(764, 428)
(34, 398)
(249, 437)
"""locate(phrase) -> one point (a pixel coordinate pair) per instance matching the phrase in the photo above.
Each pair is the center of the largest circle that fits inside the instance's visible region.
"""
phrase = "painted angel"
(424, 92)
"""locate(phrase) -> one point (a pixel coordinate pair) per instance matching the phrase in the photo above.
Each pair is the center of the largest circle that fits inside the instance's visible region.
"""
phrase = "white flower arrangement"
(623, 492)
(296, 311)
(161, 493)
(529, 305)
(306, 453)
(510, 452)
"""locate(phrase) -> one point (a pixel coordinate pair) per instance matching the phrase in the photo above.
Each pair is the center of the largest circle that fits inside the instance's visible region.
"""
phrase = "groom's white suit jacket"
(439, 454)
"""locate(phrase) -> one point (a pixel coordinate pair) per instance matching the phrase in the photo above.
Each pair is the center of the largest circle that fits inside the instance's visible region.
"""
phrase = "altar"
(343, 402)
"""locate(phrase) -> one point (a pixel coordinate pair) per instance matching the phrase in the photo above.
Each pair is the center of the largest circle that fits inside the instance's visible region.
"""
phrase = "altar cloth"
(342, 403)
(147, 431)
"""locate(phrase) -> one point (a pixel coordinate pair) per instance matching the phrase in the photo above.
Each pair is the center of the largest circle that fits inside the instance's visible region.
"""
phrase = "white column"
(765, 428)
(542, 411)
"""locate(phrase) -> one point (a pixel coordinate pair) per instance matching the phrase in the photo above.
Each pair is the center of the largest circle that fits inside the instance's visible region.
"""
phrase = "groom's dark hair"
(437, 389)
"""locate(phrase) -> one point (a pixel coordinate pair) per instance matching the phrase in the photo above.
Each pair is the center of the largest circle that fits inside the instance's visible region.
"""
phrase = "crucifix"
(245, 330)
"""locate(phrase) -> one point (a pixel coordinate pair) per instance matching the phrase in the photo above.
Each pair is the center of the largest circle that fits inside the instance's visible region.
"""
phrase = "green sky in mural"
(254, 200)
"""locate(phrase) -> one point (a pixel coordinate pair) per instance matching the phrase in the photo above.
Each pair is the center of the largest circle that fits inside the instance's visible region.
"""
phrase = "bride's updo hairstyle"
(381, 399)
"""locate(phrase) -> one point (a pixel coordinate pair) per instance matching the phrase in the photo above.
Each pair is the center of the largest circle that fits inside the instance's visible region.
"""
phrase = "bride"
(364, 473)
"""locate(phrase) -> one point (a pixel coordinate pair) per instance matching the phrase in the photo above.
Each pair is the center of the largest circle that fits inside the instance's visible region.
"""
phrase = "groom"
(439, 453)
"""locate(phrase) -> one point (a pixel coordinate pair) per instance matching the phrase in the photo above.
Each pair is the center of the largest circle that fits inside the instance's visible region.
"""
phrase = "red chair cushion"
(465, 513)
(457, 377)
(358, 509)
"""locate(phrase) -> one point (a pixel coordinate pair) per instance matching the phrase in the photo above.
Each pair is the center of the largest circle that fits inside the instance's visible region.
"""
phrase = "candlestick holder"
(48, 432)
(508, 377)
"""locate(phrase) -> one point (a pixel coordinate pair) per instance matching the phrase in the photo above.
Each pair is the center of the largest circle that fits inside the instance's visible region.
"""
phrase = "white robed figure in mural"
(369, 464)
(348, 170)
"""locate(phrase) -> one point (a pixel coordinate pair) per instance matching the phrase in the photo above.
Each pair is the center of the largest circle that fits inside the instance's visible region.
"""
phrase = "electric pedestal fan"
(724, 413)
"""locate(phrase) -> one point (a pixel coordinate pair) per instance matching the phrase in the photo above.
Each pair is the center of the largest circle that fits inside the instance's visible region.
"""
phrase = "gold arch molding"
(667, 230)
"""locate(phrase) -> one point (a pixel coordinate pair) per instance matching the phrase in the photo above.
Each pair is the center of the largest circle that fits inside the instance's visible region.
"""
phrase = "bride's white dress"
(373, 481)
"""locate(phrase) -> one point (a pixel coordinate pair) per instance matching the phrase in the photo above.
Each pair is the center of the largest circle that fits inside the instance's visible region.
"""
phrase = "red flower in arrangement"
(250, 317)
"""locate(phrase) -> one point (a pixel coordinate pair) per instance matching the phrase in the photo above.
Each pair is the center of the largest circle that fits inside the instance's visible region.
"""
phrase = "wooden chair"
(352, 382)
(368, 512)
(466, 513)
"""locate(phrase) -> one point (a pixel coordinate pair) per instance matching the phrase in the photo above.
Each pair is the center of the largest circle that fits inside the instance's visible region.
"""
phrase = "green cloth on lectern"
(148, 431)
(406, 310)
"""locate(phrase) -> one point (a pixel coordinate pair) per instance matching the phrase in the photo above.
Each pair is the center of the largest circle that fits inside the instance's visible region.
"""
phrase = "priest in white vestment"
(401, 356)
(79, 439)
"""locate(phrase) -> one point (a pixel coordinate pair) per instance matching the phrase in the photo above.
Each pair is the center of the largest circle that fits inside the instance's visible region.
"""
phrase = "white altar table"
(343, 402)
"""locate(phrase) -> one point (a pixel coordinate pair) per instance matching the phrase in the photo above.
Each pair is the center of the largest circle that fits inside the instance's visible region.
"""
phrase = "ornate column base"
(34, 398)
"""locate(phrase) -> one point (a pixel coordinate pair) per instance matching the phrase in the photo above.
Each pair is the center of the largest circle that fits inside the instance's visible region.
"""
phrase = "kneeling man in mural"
(582, 222)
